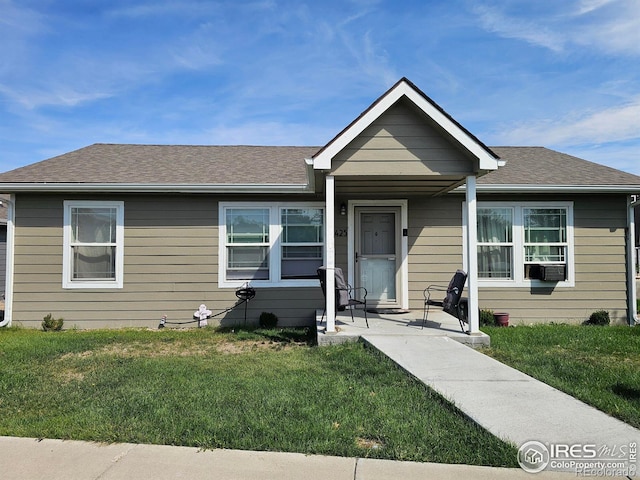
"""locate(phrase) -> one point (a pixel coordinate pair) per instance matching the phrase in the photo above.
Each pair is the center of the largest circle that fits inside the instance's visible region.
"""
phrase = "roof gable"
(487, 160)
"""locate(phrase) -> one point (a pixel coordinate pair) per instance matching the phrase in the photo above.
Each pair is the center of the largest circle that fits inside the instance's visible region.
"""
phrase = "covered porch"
(390, 225)
(439, 324)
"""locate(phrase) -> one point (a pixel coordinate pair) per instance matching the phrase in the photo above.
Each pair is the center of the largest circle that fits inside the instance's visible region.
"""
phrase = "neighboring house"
(119, 235)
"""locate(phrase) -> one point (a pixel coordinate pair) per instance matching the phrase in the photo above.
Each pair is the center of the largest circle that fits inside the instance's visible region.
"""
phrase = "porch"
(439, 324)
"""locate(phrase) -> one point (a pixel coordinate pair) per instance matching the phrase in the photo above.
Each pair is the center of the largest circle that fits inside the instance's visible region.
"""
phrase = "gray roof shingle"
(542, 166)
(169, 164)
(264, 165)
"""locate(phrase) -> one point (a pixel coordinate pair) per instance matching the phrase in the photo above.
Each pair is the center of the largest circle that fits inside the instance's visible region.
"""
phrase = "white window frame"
(275, 244)
(67, 256)
(519, 279)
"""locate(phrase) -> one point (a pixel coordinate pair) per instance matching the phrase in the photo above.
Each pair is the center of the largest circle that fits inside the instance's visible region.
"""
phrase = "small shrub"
(487, 319)
(50, 324)
(599, 317)
(268, 320)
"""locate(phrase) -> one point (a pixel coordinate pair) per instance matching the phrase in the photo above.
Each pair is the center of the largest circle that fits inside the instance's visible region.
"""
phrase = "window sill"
(524, 284)
(94, 285)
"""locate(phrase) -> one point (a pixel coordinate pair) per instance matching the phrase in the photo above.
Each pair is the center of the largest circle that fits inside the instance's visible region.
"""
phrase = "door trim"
(403, 293)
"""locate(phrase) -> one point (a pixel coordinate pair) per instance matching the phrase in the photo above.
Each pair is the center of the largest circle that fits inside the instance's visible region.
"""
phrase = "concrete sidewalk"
(33, 459)
(513, 406)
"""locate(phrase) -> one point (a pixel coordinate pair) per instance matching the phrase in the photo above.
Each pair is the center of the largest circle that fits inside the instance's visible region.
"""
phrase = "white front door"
(377, 254)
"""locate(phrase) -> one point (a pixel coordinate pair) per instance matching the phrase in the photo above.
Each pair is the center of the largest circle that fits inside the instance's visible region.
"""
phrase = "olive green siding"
(170, 268)
(401, 142)
(171, 263)
(435, 244)
(600, 270)
(436, 251)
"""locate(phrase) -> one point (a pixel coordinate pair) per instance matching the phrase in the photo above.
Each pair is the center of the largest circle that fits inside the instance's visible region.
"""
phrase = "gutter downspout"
(8, 294)
(632, 306)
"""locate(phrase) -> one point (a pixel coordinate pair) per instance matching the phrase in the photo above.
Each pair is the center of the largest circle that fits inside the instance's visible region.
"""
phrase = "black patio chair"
(453, 303)
(344, 294)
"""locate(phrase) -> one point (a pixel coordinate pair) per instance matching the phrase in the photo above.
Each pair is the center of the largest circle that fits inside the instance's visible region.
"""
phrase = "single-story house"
(120, 235)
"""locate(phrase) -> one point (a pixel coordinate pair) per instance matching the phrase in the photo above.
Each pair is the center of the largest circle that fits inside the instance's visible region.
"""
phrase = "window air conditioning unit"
(553, 273)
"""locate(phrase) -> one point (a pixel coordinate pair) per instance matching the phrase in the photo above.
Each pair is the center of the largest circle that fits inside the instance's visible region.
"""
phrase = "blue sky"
(561, 74)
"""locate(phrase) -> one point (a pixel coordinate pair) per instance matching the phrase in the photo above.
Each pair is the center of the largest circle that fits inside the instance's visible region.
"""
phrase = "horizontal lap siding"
(170, 268)
(435, 244)
(401, 142)
(600, 266)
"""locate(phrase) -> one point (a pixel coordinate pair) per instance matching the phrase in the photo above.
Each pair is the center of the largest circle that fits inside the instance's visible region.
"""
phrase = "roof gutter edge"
(528, 188)
(155, 188)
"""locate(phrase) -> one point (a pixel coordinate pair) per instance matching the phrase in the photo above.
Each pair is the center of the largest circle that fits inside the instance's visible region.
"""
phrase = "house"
(120, 235)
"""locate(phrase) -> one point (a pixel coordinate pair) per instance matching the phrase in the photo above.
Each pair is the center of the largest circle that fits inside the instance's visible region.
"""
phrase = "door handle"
(356, 257)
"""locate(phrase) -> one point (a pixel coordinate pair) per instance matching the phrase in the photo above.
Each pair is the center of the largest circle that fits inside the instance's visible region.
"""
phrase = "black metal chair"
(344, 294)
(453, 303)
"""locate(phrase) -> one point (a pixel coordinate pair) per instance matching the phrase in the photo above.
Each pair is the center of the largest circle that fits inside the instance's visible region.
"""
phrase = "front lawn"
(598, 365)
(244, 390)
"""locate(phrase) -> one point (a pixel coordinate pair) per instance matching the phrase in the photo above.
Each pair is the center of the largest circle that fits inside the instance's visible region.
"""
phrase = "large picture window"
(516, 239)
(270, 244)
(93, 244)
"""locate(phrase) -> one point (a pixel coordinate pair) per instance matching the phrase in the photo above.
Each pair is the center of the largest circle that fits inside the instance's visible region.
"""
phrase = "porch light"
(343, 209)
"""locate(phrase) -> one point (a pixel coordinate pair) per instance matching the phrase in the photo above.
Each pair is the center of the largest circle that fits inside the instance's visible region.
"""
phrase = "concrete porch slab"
(439, 324)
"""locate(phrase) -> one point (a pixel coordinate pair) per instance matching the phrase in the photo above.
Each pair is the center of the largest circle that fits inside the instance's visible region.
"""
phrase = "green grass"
(244, 390)
(598, 365)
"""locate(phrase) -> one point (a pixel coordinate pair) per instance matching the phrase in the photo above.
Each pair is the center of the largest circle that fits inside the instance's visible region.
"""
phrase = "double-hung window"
(248, 240)
(515, 239)
(495, 242)
(93, 244)
(302, 242)
(545, 238)
(279, 244)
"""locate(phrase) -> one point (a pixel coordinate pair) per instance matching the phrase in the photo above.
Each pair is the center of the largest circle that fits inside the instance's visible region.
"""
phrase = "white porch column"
(330, 305)
(472, 255)
(8, 295)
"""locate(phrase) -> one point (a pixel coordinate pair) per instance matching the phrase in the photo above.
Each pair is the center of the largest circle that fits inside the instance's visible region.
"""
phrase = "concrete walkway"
(506, 402)
(33, 459)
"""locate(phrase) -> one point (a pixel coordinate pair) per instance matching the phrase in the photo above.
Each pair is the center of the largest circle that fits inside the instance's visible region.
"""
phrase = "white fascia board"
(486, 160)
(529, 188)
(155, 188)
(323, 160)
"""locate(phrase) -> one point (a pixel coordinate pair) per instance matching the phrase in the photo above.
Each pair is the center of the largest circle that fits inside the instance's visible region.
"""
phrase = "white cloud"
(535, 33)
(587, 6)
(63, 95)
(614, 124)
(620, 156)
(167, 8)
(609, 26)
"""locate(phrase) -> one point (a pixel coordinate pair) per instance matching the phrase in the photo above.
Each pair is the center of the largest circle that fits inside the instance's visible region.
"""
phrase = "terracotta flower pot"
(502, 319)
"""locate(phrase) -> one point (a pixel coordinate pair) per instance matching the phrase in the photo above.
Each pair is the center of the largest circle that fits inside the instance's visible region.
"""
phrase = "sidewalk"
(33, 459)
(513, 406)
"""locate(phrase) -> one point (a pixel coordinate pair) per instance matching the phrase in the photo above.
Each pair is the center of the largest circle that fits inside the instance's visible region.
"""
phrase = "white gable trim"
(403, 89)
